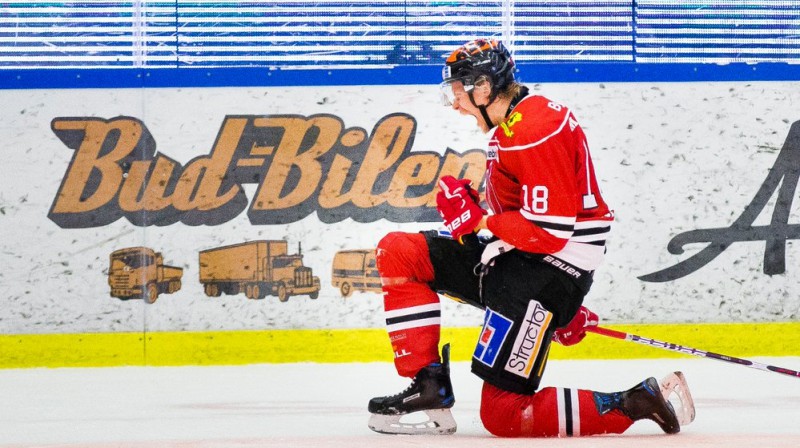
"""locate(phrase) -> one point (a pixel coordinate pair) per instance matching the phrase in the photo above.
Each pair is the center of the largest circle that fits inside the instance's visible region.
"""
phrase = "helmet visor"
(453, 88)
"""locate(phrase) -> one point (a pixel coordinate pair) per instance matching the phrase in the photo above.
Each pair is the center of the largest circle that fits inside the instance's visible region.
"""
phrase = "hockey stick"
(690, 351)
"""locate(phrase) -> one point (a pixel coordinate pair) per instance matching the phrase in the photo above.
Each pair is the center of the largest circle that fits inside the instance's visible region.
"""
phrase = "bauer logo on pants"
(529, 340)
(493, 335)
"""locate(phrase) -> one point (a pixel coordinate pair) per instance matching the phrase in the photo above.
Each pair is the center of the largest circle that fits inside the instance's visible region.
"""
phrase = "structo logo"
(529, 340)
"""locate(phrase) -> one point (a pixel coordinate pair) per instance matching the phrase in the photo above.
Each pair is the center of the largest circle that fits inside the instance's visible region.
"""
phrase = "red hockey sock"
(413, 313)
(551, 412)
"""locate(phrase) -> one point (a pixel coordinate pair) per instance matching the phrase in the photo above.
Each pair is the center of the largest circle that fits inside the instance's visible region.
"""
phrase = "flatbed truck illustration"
(257, 269)
(140, 272)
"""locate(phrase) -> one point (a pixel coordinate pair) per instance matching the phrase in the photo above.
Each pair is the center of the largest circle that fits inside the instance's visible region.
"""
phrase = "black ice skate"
(651, 400)
(430, 392)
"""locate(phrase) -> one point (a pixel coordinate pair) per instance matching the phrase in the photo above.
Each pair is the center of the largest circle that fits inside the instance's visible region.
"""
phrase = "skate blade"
(676, 391)
(439, 422)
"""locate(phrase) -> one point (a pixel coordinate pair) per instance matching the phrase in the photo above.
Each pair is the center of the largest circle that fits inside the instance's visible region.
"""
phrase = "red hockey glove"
(458, 205)
(575, 331)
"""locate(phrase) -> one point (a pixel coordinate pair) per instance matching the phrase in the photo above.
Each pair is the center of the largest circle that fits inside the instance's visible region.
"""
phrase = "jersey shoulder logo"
(491, 152)
(513, 119)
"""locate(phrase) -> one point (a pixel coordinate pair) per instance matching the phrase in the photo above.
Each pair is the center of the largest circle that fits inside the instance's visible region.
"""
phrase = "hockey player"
(549, 225)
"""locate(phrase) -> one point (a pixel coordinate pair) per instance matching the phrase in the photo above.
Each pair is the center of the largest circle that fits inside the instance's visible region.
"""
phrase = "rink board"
(702, 246)
(364, 345)
(689, 168)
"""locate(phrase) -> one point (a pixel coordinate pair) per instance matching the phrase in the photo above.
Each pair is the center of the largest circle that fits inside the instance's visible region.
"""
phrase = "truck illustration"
(256, 268)
(140, 272)
(355, 270)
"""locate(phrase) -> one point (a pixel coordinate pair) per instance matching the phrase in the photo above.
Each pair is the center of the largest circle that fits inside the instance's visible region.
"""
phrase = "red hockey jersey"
(541, 185)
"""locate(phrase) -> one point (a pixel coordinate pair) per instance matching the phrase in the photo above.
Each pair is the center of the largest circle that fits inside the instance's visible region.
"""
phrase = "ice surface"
(324, 405)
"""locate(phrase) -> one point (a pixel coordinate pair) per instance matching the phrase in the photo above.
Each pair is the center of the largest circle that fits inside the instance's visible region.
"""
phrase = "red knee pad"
(402, 256)
(508, 414)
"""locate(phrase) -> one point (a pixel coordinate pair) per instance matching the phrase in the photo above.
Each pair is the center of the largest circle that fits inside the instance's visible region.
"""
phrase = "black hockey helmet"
(468, 63)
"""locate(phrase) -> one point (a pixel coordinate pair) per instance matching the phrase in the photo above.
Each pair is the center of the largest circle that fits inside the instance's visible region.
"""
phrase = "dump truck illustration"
(257, 269)
(140, 272)
(355, 270)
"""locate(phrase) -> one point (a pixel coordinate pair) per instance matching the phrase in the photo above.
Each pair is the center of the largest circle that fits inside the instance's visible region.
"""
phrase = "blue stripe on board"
(401, 75)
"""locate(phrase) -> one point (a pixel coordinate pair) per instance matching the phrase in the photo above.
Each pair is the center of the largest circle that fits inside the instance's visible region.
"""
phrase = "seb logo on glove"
(458, 205)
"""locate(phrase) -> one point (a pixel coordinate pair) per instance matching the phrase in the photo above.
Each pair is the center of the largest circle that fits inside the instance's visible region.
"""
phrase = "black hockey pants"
(525, 299)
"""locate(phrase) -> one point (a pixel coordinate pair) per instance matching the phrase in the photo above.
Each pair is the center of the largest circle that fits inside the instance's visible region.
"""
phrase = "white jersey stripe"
(414, 310)
(585, 256)
(562, 416)
(600, 237)
(595, 224)
(563, 220)
(588, 170)
(491, 196)
(414, 324)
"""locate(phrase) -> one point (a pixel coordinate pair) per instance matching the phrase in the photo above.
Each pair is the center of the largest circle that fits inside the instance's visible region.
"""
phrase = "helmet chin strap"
(484, 112)
(486, 116)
